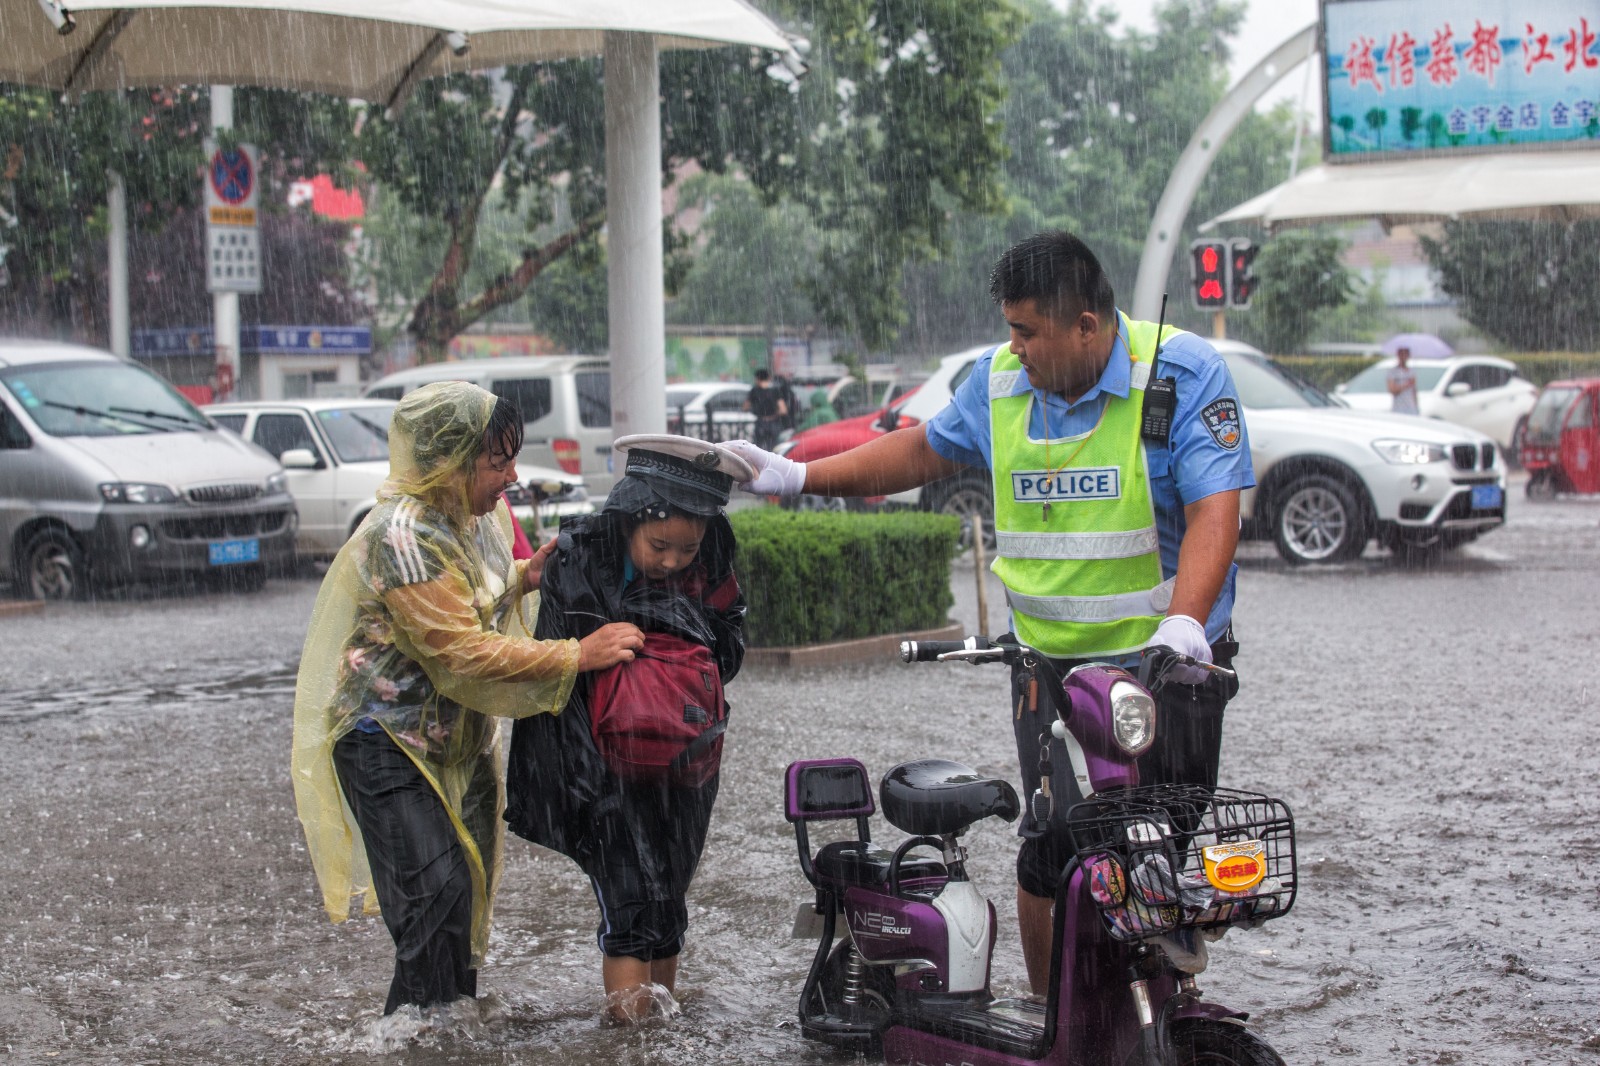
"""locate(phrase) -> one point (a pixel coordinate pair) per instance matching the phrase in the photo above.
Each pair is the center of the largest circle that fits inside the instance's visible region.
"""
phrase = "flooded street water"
(1436, 733)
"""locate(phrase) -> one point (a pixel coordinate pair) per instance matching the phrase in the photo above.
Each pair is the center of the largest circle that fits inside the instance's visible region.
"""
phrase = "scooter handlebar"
(1156, 661)
(928, 651)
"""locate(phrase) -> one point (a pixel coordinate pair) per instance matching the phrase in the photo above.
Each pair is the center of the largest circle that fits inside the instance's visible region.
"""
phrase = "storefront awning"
(1557, 186)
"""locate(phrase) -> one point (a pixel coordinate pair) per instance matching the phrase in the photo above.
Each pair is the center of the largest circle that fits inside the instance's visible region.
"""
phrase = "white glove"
(775, 475)
(1186, 637)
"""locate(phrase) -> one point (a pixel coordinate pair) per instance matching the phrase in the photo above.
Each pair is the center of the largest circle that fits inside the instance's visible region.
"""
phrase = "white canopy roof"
(362, 48)
(1550, 185)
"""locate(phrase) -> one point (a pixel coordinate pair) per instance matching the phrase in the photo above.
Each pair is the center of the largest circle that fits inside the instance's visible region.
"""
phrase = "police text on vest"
(1088, 483)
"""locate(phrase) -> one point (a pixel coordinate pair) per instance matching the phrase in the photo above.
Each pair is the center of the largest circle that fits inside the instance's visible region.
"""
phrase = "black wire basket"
(1171, 857)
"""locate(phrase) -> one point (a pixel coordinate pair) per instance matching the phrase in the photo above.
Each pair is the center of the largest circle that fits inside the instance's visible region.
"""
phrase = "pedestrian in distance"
(1402, 382)
(624, 780)
(766, 402)
(1117, 452)
(821, 411)
(420, 641)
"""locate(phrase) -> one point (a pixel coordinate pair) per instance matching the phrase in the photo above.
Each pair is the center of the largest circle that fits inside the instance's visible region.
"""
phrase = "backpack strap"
(699, 745)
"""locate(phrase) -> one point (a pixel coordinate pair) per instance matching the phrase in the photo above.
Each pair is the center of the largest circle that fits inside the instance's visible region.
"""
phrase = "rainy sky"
(1267, 24)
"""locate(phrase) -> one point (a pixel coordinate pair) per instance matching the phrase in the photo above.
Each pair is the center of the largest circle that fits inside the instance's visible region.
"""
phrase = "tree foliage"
(1529, 285)
(1094, 122)
(1299, 278)
(874, 143)
(751, 262)
(53, 184)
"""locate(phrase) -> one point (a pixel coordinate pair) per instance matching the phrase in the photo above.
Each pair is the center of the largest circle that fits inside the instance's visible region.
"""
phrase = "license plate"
(1487, 497)
(229, 552)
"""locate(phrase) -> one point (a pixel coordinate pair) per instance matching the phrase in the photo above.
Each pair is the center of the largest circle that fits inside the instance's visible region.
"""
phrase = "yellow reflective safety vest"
(1075, 528)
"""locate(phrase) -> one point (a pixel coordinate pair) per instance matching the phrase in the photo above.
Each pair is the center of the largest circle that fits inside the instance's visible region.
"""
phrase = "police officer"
(1117, 471)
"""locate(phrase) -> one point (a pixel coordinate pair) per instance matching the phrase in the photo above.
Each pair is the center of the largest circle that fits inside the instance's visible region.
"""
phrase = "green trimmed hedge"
(1541, 368)
(1325, 371)
(812, 577)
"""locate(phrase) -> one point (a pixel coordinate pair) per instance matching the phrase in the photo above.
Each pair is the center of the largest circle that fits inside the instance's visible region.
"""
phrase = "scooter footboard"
(1169, 857)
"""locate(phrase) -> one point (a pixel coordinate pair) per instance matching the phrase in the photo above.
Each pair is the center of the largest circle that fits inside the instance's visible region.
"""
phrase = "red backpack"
(661, 716)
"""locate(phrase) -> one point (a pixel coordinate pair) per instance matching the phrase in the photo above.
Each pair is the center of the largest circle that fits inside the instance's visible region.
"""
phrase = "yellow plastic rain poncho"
(422, 627)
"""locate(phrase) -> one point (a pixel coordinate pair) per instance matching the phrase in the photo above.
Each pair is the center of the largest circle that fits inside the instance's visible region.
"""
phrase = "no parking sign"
(233, 247)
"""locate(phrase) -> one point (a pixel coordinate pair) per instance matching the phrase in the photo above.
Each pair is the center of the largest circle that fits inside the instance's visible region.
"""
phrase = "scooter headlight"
(1133, 717)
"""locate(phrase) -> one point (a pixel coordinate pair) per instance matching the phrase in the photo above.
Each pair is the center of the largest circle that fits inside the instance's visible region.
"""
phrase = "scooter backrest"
(933, 797)
(825, 789)
(818, 790)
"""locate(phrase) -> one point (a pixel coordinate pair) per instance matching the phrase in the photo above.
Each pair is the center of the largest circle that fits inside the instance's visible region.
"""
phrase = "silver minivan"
(565, 402)
(108, 474)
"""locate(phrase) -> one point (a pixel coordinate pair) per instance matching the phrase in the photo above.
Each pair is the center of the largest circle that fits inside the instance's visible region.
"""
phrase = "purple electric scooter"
(1158, 871)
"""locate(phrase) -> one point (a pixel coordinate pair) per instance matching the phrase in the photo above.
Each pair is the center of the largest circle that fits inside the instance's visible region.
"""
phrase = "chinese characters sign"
(1436, 75)
(233, 246)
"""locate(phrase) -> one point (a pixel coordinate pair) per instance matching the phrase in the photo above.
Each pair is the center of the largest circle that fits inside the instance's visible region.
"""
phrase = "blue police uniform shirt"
(1197, 464)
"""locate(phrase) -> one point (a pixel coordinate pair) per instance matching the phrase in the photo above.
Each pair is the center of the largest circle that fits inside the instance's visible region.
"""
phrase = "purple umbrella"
(1422, 345)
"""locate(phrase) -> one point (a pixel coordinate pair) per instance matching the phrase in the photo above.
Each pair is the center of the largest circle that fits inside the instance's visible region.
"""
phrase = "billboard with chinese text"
(1432, 76)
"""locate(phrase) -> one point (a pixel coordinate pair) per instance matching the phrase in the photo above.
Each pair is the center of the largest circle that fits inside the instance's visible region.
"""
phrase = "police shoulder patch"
(1222, 420)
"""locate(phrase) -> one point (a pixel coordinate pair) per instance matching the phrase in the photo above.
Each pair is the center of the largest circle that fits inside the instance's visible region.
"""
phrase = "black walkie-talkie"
(1160, 394)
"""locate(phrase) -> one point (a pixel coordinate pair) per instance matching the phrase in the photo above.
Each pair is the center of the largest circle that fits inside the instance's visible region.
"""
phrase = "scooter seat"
(935, 797)
(861, 863)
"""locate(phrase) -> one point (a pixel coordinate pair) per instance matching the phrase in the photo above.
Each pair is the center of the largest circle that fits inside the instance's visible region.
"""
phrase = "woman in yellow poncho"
(420, 640)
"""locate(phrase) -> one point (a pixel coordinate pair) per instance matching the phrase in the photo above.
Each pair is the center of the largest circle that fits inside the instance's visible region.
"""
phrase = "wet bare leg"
(1035, 916)
(630, 985)
(664, 972)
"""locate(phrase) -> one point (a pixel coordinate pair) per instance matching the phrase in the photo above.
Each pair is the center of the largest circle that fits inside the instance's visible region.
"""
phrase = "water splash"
(646, 1004)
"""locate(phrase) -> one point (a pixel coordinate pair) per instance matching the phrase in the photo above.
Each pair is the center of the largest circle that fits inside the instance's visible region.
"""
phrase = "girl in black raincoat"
(659, 555)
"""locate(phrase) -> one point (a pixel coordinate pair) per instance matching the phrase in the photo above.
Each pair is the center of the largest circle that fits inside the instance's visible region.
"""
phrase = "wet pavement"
(1434, 730)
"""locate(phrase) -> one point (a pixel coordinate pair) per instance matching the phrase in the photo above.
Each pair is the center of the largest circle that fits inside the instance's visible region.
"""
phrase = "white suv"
(1482, 391)
(565, 399)
(1329, 478)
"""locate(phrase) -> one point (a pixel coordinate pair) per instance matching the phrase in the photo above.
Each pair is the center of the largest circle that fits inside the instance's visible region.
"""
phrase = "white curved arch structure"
(1196, 160)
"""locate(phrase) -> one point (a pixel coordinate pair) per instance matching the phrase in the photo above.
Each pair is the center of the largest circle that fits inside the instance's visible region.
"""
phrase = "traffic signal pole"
(1219, 325)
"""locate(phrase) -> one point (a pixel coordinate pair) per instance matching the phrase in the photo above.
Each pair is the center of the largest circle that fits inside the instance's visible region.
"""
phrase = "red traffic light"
(1208, 262)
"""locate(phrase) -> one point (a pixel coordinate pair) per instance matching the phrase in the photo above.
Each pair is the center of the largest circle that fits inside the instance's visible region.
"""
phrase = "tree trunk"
(441, 315)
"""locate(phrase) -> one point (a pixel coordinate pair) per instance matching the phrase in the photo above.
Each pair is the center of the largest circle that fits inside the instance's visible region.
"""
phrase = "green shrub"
(1325, 371)
(815, 577)
(1541, 368)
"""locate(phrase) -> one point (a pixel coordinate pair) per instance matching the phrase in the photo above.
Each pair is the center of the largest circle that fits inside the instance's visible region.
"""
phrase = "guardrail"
(716, 431)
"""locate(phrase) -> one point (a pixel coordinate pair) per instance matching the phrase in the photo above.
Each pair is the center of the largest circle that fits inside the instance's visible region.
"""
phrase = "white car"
(336, 455)
(1330, 478)
(709, 410)
(1481, 391)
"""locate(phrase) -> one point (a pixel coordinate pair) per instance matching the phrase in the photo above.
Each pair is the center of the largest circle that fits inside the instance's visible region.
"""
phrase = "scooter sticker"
(1107, 884)
(1235, 867)
(872, 923)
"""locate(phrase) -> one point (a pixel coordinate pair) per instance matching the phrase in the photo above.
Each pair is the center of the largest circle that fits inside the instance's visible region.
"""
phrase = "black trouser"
(419, 870)
(1187, 750)
(766, 432)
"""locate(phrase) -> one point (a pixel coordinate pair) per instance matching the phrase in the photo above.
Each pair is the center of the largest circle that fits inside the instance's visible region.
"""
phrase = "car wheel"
(969, 499)
(51, 566)
(1514, 456)
(1541, 486)
(1319, 520)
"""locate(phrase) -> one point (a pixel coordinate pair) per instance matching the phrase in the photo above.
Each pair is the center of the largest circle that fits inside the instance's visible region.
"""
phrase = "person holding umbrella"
(1402, 382)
